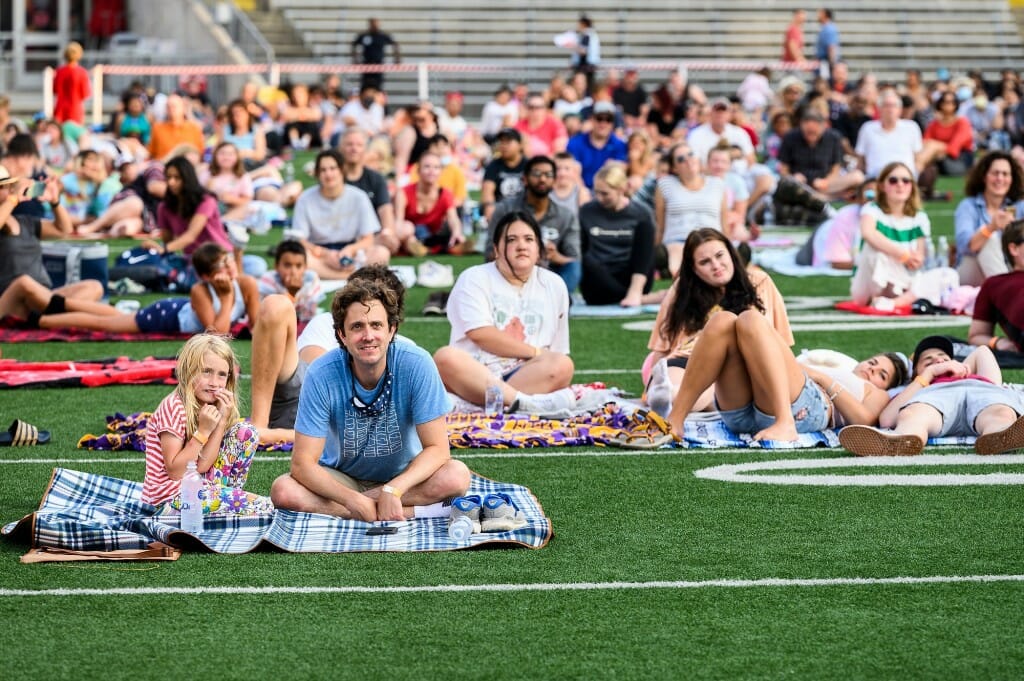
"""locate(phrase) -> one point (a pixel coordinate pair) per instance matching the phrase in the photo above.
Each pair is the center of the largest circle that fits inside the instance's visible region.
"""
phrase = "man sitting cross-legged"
(946, 397)
(370, 435)
(281, 356)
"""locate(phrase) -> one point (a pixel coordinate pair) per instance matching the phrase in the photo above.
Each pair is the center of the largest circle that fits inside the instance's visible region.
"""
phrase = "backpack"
(162, 273)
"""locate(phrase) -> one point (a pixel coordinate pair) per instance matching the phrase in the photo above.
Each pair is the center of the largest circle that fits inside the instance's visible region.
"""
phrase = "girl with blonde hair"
(199, 421)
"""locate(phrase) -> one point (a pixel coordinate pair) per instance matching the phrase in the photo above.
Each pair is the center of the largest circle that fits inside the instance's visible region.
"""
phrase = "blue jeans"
(570, 272)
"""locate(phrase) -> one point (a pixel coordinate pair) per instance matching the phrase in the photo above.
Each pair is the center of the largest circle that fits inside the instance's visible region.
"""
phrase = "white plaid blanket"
(89, 512)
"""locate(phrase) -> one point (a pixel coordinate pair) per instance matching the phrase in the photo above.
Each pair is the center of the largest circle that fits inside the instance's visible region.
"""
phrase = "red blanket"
(87, 374)
(850, 306)
(10, 334)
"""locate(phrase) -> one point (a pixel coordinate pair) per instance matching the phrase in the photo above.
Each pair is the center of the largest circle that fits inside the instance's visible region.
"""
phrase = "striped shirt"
(902, 230)
(169, 417)
(687, 210)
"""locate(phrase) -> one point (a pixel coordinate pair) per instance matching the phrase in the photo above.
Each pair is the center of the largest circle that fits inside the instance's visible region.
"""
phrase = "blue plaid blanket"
(89, 512)
(708, 431)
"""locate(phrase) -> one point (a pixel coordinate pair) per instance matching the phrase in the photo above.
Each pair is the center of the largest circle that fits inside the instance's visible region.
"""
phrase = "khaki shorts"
(350, 482)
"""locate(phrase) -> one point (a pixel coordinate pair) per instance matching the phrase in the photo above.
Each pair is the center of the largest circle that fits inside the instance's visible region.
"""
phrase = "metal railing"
(242, 31)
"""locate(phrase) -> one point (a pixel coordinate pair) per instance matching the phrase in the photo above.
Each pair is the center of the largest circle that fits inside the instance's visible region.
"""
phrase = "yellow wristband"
(388, 489)
(904, 257)
(986, 231)
(200, 438)
(993, 342)
(536, 351)
(920, 381)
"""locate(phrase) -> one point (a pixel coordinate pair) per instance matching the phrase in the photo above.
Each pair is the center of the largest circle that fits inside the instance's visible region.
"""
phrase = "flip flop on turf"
(22, 434)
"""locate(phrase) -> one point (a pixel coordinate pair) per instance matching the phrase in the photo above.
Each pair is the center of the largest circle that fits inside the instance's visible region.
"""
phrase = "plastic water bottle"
(494, 399)
(191, 504)
(930, 260)
(460, 529)
(942, 252)
(289, 172)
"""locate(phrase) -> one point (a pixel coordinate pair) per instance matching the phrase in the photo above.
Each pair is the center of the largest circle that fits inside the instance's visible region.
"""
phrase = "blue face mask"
(964, 92)
(869, 195)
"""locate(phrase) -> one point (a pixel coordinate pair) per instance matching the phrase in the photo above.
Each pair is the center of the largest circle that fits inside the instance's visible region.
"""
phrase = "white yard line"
(505, 588)
(748, 472)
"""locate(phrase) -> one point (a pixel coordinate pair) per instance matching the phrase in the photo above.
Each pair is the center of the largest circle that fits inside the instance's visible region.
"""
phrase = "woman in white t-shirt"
(510, 327)
(685, 200)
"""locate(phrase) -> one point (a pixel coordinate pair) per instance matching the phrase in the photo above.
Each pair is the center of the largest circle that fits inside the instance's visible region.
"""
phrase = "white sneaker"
(557, 404)
(435, 275)
(659, 390)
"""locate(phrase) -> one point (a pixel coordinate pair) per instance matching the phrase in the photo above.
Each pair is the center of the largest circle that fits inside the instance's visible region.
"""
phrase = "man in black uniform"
(371, 44)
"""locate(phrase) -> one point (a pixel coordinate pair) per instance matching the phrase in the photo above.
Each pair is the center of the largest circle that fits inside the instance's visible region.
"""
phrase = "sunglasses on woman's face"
(893, 179)
(684, 156)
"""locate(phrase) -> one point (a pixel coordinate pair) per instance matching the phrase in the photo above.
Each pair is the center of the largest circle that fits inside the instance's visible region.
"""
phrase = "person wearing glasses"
(999, 301)
(370, 435)
(559, 227)
(598, 146)
(685, 200)
(994, 197)
(894, 230)
(544, 134)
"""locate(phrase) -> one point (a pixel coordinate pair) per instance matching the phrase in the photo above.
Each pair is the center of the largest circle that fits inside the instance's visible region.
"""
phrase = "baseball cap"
(454, 94)
(603, 108)
(720, 103)
(942, 343)
(509, 133)
(6, 178)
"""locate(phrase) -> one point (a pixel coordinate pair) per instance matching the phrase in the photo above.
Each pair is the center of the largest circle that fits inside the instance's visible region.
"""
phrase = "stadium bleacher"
(879, 36)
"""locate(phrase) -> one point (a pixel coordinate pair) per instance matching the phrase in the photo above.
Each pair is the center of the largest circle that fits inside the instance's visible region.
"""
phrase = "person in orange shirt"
(175, 130)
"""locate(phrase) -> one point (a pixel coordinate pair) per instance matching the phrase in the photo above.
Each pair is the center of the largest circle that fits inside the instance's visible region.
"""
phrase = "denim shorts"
(810, 411)
(960, 402)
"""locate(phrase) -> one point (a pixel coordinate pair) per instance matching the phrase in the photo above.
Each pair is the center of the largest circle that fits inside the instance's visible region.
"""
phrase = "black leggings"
(601, 286)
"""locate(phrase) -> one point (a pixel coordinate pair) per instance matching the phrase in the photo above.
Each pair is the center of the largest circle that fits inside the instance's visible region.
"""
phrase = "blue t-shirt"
(375, 448)
(591, 158)
(827, 37)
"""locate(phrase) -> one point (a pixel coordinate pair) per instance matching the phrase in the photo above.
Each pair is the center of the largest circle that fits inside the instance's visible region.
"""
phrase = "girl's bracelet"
(993, 342)
(200, 438)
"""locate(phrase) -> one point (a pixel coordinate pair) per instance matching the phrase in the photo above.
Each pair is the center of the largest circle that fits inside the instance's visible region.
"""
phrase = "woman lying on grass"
(759, 387)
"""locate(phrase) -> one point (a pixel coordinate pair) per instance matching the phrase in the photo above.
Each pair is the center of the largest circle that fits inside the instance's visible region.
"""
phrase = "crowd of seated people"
(594, 190)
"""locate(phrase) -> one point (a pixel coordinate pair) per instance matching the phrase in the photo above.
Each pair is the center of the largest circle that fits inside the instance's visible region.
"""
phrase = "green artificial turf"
(620, 518)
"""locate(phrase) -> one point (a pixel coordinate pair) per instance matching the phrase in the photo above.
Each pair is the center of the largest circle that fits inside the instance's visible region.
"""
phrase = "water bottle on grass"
(494, 399)
(191, 504)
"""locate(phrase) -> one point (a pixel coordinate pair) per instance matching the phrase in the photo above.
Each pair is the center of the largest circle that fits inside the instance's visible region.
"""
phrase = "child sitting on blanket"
(221, 298)
(199, 422)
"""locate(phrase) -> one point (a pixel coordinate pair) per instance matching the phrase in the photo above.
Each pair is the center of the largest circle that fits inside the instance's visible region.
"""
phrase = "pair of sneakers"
(491, 513)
